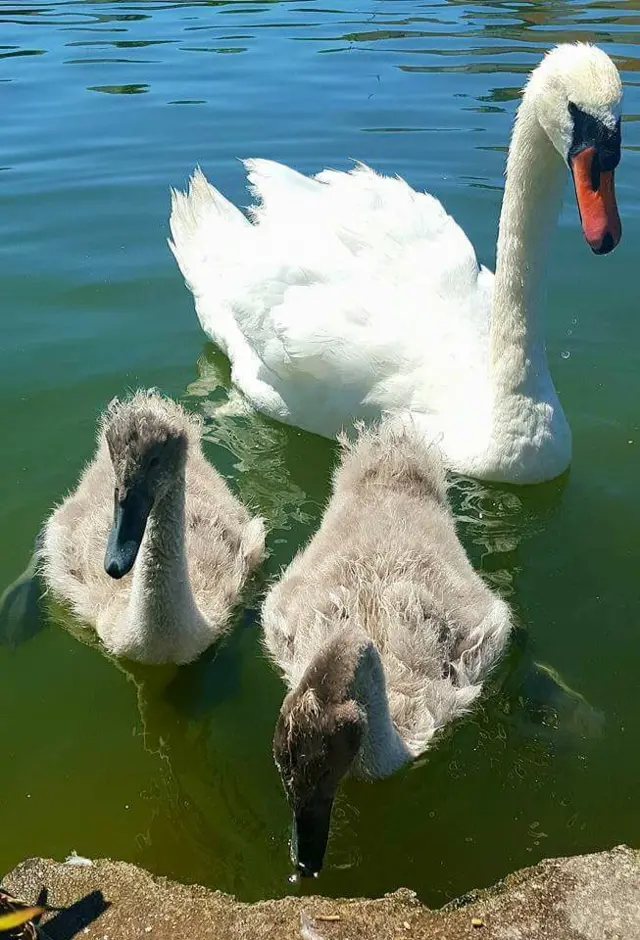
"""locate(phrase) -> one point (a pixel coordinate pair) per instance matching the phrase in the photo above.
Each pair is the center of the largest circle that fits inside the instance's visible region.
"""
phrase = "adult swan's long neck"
(161, 600)
(530, 432)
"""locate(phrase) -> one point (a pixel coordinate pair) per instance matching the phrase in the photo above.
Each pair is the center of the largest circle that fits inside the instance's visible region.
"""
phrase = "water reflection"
(19, 52)
(494, 520)
(267, 471)
(208, 726)
(291, 492)
(492, 31)
(139, 89)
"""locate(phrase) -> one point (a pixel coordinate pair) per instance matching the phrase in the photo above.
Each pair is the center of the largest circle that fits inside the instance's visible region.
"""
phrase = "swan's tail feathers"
(202, 221)
(277, 188)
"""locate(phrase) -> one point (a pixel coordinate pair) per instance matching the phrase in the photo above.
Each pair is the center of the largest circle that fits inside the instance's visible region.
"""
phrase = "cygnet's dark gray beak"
(130, 514)
(310, 836)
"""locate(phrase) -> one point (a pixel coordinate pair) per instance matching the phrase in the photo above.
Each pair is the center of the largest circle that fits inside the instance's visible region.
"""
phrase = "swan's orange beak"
(596, 197)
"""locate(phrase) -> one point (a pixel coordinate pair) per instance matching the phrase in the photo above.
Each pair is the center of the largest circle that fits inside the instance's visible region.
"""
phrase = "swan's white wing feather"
(367, 212)
(348, 291)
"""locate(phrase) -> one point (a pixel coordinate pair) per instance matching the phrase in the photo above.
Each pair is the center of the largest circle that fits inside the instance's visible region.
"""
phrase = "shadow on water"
(22, 614)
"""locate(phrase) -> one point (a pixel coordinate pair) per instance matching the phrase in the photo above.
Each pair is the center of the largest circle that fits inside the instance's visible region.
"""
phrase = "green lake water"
(104, 106)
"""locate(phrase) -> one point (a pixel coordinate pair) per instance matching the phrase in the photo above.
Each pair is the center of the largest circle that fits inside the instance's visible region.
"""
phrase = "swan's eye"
(589, 131)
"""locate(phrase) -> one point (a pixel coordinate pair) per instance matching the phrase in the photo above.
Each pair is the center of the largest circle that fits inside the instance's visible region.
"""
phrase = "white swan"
(151, 502)
(352, 294)
(381, 627)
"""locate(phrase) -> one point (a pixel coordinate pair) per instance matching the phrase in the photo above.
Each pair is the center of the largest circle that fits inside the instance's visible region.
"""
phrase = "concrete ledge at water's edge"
(589, 897)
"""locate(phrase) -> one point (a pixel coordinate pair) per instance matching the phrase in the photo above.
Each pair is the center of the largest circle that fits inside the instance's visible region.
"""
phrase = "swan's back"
(387, 560)
(362, 293)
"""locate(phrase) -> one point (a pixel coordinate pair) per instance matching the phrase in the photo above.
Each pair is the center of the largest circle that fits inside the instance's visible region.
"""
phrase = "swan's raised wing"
(363, 208)
(347, 289)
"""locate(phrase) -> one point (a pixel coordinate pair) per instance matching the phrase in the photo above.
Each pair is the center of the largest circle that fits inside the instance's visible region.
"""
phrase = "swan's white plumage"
(316, 300)
(350, 294)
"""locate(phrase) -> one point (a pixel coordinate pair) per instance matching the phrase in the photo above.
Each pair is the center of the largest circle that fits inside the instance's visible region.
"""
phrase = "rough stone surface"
(590, 897)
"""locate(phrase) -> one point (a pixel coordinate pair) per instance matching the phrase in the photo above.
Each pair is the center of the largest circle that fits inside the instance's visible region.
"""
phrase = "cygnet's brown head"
(148, 438)
(317, 738)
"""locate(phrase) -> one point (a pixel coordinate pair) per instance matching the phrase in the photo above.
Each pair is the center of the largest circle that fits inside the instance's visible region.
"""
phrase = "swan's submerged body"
(350, 294)
(190, 542)
(381, 627)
